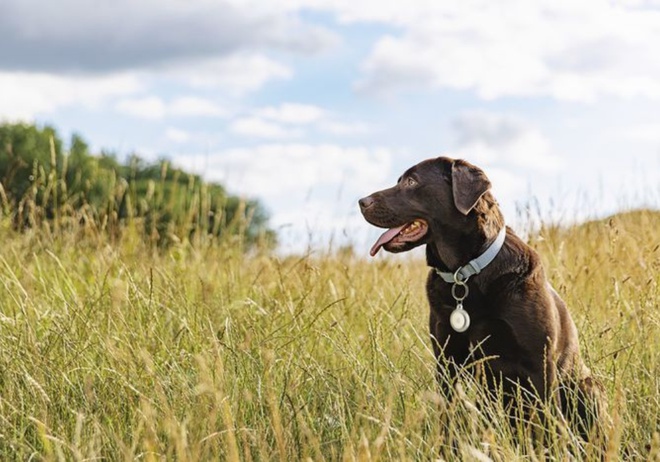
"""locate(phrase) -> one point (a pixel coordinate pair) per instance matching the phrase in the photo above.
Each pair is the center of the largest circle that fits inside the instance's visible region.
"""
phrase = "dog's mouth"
(395, 239)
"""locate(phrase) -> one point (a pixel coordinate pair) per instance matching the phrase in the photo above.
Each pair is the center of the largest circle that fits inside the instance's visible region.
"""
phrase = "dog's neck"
(453, 248)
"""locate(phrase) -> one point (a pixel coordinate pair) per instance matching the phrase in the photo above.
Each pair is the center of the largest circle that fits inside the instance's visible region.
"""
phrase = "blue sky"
(311, 104)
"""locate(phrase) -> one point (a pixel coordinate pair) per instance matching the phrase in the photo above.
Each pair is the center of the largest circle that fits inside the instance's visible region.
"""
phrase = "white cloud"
(153, 107)
(529, 150)
(645, 132)
(338, 128)
(25, 95)
(83, 36)
(517, 157)
(574, 51)
(283, 169)
(259, 128)
(219, 45)
(177, 135)
(293, 113)
(278, 122)
(293, 120)
(191, 106)
(238, 73)
(504, 140)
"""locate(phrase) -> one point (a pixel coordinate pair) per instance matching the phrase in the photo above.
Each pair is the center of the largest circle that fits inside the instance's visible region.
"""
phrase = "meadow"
(115, 349)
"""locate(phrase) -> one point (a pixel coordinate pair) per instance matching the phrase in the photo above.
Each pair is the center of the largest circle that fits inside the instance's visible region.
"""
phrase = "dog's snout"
(366, 202)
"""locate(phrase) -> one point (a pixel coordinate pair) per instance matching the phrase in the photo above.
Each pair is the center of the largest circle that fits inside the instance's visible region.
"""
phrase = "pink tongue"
(386, 237)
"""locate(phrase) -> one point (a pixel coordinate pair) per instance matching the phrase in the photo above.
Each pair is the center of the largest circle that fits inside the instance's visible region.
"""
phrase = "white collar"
(475, 266)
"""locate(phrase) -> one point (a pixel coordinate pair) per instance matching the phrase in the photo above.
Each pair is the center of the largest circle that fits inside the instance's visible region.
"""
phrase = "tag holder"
(459, 319)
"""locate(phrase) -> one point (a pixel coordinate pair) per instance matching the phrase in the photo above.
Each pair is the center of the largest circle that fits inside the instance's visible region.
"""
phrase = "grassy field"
(121, 352)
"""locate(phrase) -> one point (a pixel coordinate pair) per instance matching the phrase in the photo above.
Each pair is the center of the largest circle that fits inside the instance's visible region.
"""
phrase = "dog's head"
(434, 195)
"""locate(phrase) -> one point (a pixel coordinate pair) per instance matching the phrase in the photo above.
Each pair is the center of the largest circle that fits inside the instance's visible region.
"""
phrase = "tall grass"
(111, 349)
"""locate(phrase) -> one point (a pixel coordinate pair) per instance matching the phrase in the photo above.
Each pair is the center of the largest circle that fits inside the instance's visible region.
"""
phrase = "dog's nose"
(366, 202)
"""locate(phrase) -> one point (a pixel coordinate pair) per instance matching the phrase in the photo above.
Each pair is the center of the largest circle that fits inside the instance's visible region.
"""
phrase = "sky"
(309, 105)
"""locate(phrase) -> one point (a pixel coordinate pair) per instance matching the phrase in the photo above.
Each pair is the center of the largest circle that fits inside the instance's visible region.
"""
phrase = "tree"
(43, 183)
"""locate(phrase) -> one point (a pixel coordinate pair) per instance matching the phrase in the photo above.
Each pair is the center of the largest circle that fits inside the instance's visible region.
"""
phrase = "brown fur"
(518, 320)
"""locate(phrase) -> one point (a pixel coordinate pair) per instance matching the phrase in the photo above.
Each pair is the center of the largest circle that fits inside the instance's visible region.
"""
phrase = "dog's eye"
(410, 182)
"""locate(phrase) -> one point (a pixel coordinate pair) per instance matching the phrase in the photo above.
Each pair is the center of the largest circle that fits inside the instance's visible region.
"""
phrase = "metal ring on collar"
(459, 278)
(465, 294)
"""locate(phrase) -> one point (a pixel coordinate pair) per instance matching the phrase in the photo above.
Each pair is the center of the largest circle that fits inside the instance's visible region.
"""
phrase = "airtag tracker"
(459, 320)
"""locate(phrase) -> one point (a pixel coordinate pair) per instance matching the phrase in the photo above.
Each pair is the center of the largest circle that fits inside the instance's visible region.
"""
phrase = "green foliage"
(42, 185)
(118, 352)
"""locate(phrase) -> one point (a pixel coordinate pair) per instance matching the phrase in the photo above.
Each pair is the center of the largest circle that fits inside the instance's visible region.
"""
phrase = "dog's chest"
(487, 335)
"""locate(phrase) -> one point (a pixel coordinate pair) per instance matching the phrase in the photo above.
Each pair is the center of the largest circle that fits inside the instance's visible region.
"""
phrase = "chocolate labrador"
(489, 297)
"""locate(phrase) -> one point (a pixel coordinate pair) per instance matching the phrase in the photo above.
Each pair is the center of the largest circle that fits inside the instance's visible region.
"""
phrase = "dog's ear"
(469, 183)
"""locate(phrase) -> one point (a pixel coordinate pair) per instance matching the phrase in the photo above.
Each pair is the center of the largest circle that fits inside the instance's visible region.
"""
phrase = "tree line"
(47, 184)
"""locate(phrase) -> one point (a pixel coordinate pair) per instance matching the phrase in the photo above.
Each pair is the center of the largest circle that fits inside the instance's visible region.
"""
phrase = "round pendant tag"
(459, 320)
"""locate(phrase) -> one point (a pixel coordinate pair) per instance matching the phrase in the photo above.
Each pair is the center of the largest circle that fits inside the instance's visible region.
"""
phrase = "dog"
(489, 297)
